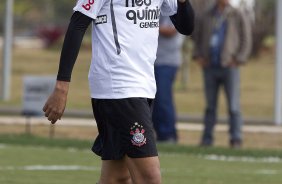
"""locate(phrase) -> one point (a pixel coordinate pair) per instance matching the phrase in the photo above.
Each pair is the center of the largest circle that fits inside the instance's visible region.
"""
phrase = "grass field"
(257, 82)
(38, 160)
(34, 160)
(187, 137)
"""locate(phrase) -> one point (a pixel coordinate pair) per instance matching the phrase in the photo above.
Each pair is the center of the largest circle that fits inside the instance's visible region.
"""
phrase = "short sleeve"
(169, 7)
(89, 8)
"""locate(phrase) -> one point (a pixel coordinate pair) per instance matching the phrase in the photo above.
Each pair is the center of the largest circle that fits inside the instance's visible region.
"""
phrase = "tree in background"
(34, 15)
(264, 23)
(30, 14)
(201, 5)
(44, 18)
(2, 13)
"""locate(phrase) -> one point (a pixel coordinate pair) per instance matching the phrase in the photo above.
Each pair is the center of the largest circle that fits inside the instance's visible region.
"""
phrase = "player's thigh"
(114, 172)
(144, 170)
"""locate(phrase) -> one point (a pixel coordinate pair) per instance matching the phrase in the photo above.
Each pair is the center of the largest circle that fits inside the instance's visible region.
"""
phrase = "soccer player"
(121, 79)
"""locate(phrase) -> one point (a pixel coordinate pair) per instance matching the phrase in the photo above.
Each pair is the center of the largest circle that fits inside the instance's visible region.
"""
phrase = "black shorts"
(125, 128)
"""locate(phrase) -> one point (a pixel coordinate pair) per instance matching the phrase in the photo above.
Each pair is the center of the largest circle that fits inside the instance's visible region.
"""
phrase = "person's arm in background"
(245, 40)
(167, 31)
(183, 20)
(55, 105)
(198, 41)
(197, 37)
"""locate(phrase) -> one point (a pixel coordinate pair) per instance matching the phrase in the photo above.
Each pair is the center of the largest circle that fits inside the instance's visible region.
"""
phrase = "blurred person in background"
(222, 44)
(169, 58)
(121, 79)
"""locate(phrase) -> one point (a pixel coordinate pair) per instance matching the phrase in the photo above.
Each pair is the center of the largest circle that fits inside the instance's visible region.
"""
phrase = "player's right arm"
(55, 105)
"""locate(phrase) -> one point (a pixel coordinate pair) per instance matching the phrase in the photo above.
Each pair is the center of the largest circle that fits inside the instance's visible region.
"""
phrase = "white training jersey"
(124, 44)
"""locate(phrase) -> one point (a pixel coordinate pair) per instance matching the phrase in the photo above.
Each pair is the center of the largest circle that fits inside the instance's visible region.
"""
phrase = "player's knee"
(124, 180)
(153, 176)
(117, 180)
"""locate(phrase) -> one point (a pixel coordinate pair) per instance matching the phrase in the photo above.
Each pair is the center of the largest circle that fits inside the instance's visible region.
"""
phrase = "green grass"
(31, 140)
(257, 82)
(179, 164)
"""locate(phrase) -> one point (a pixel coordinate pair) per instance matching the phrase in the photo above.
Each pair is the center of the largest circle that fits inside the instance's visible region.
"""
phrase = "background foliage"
(33, 15)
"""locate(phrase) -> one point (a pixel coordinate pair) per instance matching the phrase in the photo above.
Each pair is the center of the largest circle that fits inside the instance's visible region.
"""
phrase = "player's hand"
(202, 62)
(234, 63)
(56, 103)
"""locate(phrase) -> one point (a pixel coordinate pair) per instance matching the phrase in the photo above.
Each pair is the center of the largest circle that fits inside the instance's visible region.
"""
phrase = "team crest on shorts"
(137, 132)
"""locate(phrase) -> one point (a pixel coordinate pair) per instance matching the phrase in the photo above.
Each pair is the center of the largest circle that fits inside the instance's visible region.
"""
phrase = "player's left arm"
(183, 20)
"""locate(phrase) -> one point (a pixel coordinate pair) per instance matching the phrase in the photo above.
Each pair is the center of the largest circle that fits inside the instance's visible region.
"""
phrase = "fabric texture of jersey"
(124, 39)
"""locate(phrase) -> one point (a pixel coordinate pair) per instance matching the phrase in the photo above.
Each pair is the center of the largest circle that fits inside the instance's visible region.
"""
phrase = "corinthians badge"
(137, 132)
